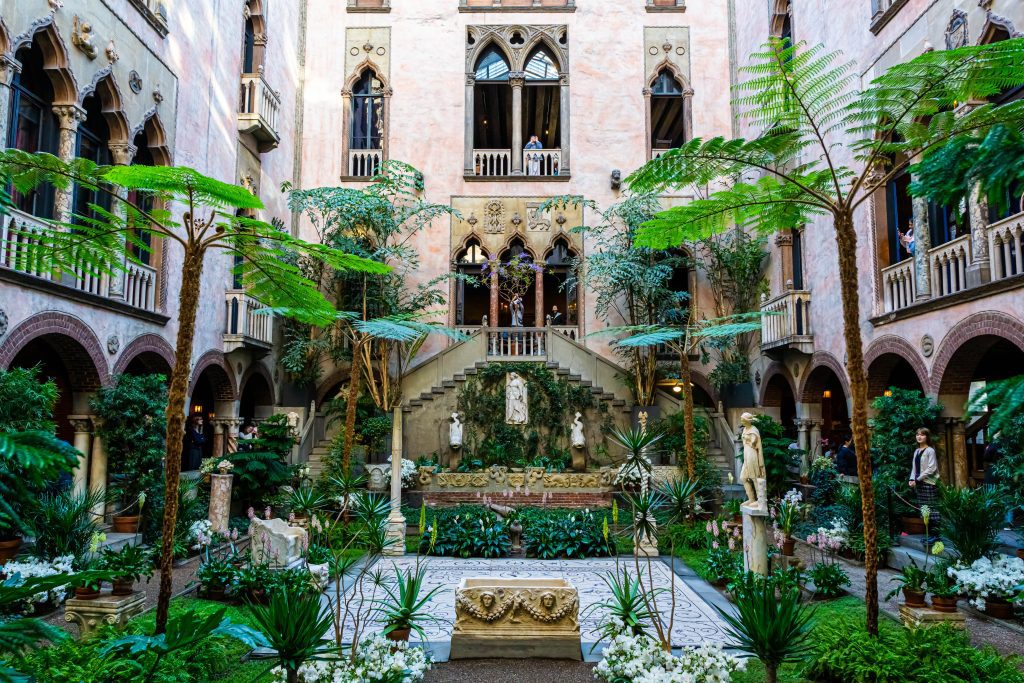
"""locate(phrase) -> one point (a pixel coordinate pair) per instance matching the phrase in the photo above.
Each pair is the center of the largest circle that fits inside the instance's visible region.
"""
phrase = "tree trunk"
(846, 241)
(771, 673)
(355, 377)
(188, 302)
(684, 376)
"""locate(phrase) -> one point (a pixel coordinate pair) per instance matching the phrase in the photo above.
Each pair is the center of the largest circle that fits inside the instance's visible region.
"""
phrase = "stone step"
(586, 383)
(438, 390)
(459, 376)
(562, 371)
(551, 365)
(575, 378)
(448, 384)
(471, 371)
(618, 403)
(426, 396)
(900, 557)
(115, 540)
(916, 542)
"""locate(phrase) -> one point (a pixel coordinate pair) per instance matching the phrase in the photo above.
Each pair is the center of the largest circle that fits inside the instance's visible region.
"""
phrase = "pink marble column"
(220, 502)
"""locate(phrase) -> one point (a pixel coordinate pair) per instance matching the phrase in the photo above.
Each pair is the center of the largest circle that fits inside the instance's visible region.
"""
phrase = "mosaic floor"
(696, 622)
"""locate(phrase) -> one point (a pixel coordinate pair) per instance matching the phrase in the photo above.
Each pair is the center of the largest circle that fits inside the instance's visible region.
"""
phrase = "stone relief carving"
(500, 604)
(3, 323)
(956, 30)
(135, 81)
(111, 52)
(494, 217)
(535, 221)
(113, 344)
(81, 37)
(519, 42)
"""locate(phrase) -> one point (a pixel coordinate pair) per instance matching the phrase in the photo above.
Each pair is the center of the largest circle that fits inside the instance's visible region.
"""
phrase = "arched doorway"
(472, 297)
(517, 252)
(779, 394)
(257, 401)
(148, 363)
(891, 370)
(560, 292)
(824, 390)
(210, 387)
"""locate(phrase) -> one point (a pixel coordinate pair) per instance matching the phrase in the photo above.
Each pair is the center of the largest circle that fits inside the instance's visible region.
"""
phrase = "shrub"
(897, 418)
(260, 472)
(690, 535)
(971, 519)
(843, 651)
(828, 579)
(63, 524)
(779, 458)
(575, 535)
(466, 531)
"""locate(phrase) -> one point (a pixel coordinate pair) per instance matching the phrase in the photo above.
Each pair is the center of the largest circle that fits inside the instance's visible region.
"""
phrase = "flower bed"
(640, 659)
(987, 579)
(38, 568)
(377, 659)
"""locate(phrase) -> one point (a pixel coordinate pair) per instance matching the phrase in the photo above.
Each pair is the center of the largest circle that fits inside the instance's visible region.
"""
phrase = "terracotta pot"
(126, 524)
(9, 548)
(87, 593)
(399, 634)
(215, 593)
(998, 608)
(912, 598)
(123, 586)
(942, 604)
(789, 546)
(913, 525)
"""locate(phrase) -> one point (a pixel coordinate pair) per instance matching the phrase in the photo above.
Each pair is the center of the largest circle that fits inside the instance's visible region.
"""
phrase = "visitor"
(556, 316)
(533, 160)
(828, 450)
(907, 239)
(195, 439)
(846, 458)
(516, 309)
(924, 478)
(246, 436)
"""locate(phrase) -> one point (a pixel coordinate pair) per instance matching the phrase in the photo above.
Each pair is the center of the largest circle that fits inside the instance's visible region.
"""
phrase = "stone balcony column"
(69, 116)
(814, 426)
(231, 435)
(517, 79)
(218, 438)
(396, 521)
(979, 270)
(98, 466)
(82, 443)
(8, 67)
(802, 441)
(538, 299)
(469, 164)
(122, 154)
(563, 122)
(495, 304)
(922, 243)
(959, 451)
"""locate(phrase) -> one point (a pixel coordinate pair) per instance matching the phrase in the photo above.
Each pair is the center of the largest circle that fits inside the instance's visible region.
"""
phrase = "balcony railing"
(364, 163)
(19, 231)
(786, 321)
(492, 162)
(898, 285)
(948, 263)
(258, 111)
(570, 331)
(1006, 247)
(242, 325)
(542, 162)
(517, 342)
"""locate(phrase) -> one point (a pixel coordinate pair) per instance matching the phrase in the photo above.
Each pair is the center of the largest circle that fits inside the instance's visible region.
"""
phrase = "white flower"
(373, 661)
(29, 569)
(793, 497)
(988, 579)
(409, 471)
(225, 465)
(640, 659)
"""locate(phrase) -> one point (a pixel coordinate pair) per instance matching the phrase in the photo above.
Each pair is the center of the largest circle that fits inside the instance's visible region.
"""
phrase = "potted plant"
(10, 542)
(90, 589)
(402, 608)
(786, 513)
(254, 581)
(128, 565)
(912, 581)
(994, 584)
(216, 577)
(943, 589)
(732, 507)
(318, 561)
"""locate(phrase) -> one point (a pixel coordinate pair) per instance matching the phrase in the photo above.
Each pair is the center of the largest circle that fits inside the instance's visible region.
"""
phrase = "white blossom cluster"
(200, 534)
(640, 659)
(793, 497)
(409, 472)
(376, 658)
(987, 579)
(28, 569)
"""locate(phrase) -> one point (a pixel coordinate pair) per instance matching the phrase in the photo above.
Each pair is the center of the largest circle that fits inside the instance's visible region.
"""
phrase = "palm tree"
(207, 226)
(807, 101)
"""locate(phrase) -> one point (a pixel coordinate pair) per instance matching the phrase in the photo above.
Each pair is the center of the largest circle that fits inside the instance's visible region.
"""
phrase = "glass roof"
(541, 67)
(492, 66)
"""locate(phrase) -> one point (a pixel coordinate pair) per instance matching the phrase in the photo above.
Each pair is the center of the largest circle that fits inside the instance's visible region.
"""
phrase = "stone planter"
(126, 524)
(9, 548)
(913, 525)
(999, 608)
(912, 598)
(944, 604)
(123, 586)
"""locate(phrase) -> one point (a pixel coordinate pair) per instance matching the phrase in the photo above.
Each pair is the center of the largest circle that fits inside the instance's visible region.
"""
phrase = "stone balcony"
(786, 323)
(498, 163)
(364, 163)
(258, 110)
(244, 328)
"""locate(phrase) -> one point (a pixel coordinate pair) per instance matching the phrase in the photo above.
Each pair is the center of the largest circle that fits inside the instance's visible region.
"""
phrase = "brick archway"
(145, 344)
(814, 378)
(337, 377)
(882, 356)
(222, 377)
(980, 331)
(72, 338)
(768, 396)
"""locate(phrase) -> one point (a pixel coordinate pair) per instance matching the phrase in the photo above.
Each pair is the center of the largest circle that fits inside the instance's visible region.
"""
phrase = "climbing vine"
(552, 401)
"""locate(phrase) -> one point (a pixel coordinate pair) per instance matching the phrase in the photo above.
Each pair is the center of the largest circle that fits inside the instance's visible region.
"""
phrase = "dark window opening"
(798, 259)
(367, 113)
(472, 296)
(667, 115)
(249, 48)
(33, 126)
(92, 144)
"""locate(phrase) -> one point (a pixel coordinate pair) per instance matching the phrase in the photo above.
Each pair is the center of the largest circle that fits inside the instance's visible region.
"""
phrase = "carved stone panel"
(667, 45)
(367, 44)
(496, 220)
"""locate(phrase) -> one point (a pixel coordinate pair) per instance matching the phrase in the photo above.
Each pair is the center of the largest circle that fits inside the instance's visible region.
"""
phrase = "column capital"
(69, 115)
(82, 424)
(802, 423)
(8, 67)
(517, 79)
(122, 152)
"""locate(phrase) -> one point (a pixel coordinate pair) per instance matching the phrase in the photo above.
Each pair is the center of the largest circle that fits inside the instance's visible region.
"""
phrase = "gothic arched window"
(33, 124)
(472, 296)
(668, 112)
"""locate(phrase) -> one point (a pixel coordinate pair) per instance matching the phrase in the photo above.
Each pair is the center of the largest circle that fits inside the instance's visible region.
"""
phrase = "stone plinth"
(220, 502)
(275, 542)
(755, 539)
(115, 610)
(516, 619)
(918, 617)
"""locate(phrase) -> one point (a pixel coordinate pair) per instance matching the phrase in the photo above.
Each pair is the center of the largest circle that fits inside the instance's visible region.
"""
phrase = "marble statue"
(753, 473)
(516, 406)
(275, 542)
(578, 440)
(455, 432)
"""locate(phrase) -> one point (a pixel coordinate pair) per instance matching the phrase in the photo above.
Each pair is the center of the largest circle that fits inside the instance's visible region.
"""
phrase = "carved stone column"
(803, 442)
(494, 319)
(98, 466)
(538, 298)
(396, 522)
(69, 116)
(563, 115)
(231, 435)
(688, 114)
(8, 67)
(979, 270)
(784, 241)
(468, 164)
(814, 425)
(82, 443)
(647, 123)
(220, 501)
(959, 448)
(122, 154)
(922, 243)
(219, 427)
(517, 79)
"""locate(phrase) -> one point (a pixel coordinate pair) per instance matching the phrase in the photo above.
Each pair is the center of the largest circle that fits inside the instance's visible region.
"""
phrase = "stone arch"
(464, 244)
(254, 10)
(55, 58)
(981, 329)
(339, 376)
(768, 396)
(699, 380)
(666, 64)
(145, 345)
(994, 25)
(507, 244)
(5, 37)
(781, 11)
(105, 87)
(881, 357)
(478, 49)
(74, 341)
(539, 41)
(258, 369)
(156, 134)
(222, 377)
(358, 71)
(814, 382)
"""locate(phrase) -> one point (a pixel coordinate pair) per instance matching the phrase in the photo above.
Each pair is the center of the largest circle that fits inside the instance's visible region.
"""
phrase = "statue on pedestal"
(753, 475)
(578, 440)
(516, 403)
(455, 432)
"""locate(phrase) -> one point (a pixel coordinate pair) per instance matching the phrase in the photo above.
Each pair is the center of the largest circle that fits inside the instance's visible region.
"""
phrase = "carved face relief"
(548, 601)
(487, 600)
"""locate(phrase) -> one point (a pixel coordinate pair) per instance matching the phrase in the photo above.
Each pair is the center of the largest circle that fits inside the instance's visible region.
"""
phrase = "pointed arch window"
(472, 297)
(367, 124)
(540, 67)
(668, 113)
(561, 294)
(492, 66)
(33, 126)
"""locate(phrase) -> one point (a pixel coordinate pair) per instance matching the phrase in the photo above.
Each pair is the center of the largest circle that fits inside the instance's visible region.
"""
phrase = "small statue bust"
(616, 179)
(81, 37)
(455, 432)
(578, 440)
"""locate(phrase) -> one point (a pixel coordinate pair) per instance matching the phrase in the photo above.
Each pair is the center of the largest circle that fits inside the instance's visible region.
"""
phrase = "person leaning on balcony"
(907, 238)
(924, 478)
(533, 165)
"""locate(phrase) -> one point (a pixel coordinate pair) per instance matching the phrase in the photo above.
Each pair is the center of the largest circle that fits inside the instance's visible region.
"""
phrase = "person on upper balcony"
(533, 160)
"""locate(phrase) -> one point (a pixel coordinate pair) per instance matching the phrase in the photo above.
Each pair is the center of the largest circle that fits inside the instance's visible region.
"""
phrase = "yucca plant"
(625, 610)
(402, 608)
(305, 501)
(294, 623)
(638, 443)
(806, 101)
(682, 498)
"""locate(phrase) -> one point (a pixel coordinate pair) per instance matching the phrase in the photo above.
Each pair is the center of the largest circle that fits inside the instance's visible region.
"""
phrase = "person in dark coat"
(195, 439)
(846, 459)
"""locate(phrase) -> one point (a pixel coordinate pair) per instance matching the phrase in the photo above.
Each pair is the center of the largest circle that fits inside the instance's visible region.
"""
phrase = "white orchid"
(640, 659)
(989, 579)
(376, 659)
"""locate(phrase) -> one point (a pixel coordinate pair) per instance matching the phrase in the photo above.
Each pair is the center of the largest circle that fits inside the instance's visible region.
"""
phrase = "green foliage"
(304, 501)
(722, 564)
(466, 531)
(193, 504)
(260, 472)
(404, 602)
(131, 561)
(132, 414)
(825, 479)
(829, 579)
(682, 498)
(294, 624)
(570, 534)
(971, 519)
(626, 607)
(216, 573)
(896, 421)
(551, 399)
(690, 535)
(63, 523)
(848, 508)
(26, 401)
(843, 651)
(779, 458)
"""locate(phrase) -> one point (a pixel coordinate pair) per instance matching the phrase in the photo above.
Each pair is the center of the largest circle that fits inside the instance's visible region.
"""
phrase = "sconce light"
(677, 389)
(887, 392)
(197, 410)
(827, 393)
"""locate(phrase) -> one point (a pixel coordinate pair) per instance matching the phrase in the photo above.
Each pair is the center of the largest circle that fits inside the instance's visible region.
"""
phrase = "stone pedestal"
(647, 547)
(755, 540)
(923, 617)
(115, 610)
(220, 502)
(396, 522)
(276, 543)
(516, 618)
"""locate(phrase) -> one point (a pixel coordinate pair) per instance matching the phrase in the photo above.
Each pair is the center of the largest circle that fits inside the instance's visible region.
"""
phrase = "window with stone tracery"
(33, 124)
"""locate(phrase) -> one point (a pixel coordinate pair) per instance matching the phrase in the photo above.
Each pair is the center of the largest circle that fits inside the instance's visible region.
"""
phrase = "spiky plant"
(205, 228)
(806, 102)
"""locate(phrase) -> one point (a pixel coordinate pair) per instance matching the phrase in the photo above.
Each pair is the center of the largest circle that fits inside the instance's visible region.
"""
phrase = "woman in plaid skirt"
(924, 478)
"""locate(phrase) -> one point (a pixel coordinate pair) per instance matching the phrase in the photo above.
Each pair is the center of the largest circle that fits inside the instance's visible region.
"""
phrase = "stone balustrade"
(517, 342)
(364, 163)
(492, 162)
(948, 263)
(898, 285)
(258, 110)
(786, 319)
(541, 162)
(1006, 247)
(242, 324)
